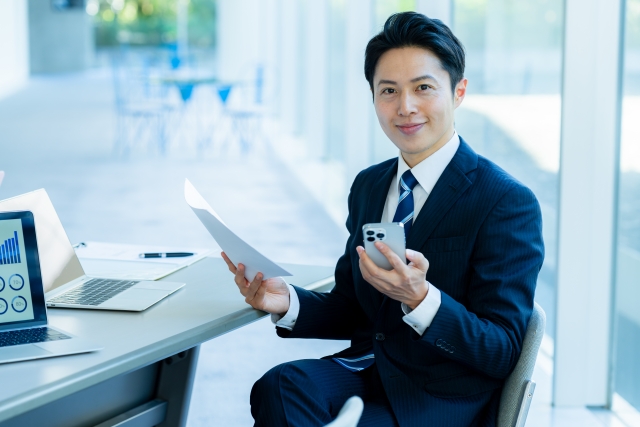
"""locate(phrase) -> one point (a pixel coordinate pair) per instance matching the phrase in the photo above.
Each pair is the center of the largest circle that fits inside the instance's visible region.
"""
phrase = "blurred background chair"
(350, 413)
(517, 393)
(143, 104)
(243, 107)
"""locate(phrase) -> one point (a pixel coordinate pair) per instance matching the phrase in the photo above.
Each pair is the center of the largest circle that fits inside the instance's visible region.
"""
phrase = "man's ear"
(460, 92)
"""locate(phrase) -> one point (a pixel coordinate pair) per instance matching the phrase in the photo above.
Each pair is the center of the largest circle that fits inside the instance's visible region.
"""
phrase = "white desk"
(144, 375)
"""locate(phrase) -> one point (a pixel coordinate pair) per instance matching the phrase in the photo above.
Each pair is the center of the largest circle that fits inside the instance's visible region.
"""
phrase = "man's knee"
(267, 384)
(267, 400)
(272, 381)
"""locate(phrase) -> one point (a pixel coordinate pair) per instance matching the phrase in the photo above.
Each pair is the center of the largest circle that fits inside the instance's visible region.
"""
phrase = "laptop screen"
(58, 261)
(21, 293)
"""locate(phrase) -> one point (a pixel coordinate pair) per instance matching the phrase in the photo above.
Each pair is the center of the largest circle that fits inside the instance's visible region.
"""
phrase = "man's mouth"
(410, 128)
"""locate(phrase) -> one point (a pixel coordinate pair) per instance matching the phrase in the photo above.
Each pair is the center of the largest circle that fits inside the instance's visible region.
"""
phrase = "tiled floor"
(57, 133)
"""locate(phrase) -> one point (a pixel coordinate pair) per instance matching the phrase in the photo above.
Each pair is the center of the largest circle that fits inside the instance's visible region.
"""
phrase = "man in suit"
(433, 340)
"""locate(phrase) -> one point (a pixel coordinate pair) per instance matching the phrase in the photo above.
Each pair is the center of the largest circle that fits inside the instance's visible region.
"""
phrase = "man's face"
(413, 101)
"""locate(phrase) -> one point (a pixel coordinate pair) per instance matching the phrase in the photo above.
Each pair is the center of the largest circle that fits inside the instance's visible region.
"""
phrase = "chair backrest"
(350, 413)
(513, 392)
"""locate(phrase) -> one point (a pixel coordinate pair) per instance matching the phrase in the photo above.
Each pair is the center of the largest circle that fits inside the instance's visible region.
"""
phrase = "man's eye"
(388, 90)
(424, 87)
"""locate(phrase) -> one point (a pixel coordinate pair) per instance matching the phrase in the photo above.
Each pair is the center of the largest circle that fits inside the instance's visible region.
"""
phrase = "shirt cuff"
(421, 317)
(288, 321)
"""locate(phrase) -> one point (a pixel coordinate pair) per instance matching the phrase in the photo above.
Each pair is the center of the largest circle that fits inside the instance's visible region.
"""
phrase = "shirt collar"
(428, 171)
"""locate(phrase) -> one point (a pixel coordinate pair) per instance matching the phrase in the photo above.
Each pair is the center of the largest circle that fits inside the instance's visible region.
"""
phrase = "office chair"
(350, 413)
(517, 392)
(518, 389)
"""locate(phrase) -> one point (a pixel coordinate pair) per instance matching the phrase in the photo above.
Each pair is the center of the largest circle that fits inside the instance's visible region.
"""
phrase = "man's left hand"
(405, 283)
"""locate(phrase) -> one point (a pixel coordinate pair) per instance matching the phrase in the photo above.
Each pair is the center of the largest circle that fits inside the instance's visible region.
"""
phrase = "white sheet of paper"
(236, 249)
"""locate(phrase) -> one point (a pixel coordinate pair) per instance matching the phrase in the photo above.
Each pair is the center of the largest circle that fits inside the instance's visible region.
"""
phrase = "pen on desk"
(166, 254)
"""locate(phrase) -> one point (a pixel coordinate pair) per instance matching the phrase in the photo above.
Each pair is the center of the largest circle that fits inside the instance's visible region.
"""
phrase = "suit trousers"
(311, 392)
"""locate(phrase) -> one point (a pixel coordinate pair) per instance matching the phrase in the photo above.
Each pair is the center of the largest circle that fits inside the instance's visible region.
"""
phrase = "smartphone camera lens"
(370, 233)
(371, 239)
(380, 236)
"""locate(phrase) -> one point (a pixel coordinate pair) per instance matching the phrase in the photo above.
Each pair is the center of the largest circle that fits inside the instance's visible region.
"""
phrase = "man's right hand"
(271, 295)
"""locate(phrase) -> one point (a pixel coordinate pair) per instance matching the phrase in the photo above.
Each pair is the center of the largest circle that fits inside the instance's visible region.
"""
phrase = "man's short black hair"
(411, 29)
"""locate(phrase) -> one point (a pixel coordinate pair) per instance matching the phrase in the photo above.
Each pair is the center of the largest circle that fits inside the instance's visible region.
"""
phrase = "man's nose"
(407, 104)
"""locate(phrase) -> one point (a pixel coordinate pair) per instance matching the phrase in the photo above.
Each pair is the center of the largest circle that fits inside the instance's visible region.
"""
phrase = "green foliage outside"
(385, 8)
(519, 24)
(153, 22)
(633, 24)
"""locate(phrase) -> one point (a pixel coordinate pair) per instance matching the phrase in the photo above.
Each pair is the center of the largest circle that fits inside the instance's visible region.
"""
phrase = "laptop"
(24, 332)
(65, 283)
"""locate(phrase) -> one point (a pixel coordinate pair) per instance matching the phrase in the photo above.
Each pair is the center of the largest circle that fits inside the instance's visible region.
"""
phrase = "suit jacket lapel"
(379, 192)
(452, 184)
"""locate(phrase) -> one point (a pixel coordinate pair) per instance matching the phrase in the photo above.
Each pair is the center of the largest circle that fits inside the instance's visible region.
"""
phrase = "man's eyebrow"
(425, 77)
(387, 82)
(417, 79)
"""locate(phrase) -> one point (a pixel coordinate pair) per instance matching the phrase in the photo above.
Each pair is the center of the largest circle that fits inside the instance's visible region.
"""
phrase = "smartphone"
(389, 233)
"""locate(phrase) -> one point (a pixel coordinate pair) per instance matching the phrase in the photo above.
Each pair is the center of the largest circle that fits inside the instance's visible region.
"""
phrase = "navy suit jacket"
(481, 231)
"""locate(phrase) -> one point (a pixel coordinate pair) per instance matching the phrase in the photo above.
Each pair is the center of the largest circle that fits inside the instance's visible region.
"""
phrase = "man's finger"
(393, 258)
(366, 263)
(418, 260)
(372, 269)
(232, 267)
(258, 296)
(253, 286)
(240, 279)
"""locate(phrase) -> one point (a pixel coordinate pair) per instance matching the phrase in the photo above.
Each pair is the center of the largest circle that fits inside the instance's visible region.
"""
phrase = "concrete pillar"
(59, 40)
(586, 221)
(14, 60)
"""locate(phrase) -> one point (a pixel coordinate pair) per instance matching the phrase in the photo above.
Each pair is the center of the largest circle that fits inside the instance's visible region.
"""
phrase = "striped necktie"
(404, 212)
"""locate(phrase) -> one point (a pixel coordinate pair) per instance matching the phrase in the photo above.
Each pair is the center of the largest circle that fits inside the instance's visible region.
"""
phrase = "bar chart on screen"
(10, 251)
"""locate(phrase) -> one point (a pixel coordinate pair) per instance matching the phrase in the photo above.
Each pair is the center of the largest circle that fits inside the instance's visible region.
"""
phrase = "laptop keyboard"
(93, 292)
(30, 336)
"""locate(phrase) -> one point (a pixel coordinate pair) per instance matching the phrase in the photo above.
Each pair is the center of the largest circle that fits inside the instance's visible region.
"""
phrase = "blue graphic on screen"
(10, 251)
(16, 304)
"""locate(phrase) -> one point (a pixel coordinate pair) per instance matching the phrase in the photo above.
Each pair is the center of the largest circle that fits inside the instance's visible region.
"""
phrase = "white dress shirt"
(427, 173)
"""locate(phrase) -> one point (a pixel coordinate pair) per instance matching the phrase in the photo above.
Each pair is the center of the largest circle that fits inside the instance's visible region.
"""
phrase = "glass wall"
(626, 377)
(511, 114)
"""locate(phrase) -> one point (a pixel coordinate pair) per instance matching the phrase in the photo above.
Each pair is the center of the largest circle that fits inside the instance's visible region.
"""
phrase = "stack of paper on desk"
(236, 249)
(120, 261)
